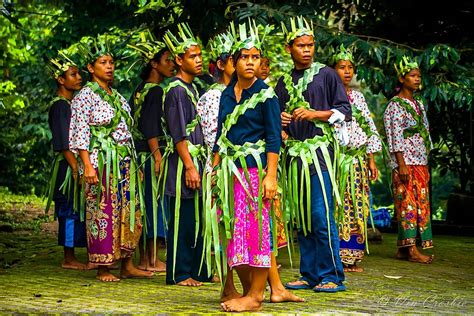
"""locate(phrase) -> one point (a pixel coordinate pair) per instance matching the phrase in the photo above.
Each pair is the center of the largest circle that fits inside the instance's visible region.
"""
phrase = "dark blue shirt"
(149, 121)
(262, 122)
(179, 112)
(59, 117)
(325, 92)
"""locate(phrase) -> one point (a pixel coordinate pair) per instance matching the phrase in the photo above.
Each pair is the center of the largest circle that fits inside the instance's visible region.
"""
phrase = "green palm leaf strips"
(419, 127)
(349, 158)
(198, 153)
(293, 192)
(110, 153)
(68, 180)
(139, 99)
(224, 182)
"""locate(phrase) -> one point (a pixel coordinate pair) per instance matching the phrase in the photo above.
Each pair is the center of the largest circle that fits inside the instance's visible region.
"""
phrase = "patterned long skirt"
(412, 206)
(245, 248)
(109, 235)
(352, 223)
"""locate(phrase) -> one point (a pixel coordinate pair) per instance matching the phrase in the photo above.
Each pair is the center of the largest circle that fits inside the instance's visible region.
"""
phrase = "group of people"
(225, 173)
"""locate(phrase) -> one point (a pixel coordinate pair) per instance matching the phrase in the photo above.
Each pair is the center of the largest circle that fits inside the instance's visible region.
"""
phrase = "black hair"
(214, 69)
(396, 90)
(145, 73)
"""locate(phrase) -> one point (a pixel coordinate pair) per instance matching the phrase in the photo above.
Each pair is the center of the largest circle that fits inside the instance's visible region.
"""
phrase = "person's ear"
(288, 48)
(179, 61)
(401, 79)
(220, 65)
(154, 64)
(61, 80)
(90, 68)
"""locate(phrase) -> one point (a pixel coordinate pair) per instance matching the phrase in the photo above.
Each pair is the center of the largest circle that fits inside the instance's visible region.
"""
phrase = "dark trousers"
(189, 250)
(319, 249)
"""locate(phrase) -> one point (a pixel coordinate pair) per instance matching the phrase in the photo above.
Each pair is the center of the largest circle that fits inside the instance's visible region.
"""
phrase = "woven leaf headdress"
(298, 27)
(182, 41)
(60, 64)
(405, 66)
(147, 45)
(248, 35)
(343, 54)
(221, 44)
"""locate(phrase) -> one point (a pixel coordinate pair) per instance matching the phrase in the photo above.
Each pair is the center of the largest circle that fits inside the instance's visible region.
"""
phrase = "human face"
(191, 61)
(411, 80)
(102, 69)
(302, 51)
(165, 65)
(248, 63)
(71, 79)
(345, 70)
(264, 70)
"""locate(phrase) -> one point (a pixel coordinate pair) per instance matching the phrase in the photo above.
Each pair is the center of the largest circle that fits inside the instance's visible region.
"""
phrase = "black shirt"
(59, 118)
(179, 112)
(149, 121)
(325, 92)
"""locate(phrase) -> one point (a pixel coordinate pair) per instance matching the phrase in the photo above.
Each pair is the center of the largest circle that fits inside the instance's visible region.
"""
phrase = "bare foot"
(283, 295)
(74, 265)
(159, 266)
(415, 256)
(229, 295)
(189, 282)
(353, 268)
(243, 304)
(105, 276)
(91, 266)
(133, 272)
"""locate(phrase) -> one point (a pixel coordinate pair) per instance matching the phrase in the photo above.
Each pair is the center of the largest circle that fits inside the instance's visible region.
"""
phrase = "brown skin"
(302, 54)
(161, 69)
(253, 279)
(102, 72)
(345, 70)
(189, 66)
(68, 83)
(410, 83)
(264, 70)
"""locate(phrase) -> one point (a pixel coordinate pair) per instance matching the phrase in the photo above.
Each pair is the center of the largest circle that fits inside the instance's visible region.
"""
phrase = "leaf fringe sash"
(218, 230)
(198, 154)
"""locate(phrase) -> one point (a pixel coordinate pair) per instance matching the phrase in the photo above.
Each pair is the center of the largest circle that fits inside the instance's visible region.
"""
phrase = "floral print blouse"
(88, 108)
(208, 110)
(396, 120)
(357, 135)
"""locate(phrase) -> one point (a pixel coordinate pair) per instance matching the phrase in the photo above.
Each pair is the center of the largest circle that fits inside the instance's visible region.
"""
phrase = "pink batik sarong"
(244, 248)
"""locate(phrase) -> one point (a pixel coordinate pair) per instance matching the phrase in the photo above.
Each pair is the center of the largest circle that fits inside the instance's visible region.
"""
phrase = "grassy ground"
(31, 280)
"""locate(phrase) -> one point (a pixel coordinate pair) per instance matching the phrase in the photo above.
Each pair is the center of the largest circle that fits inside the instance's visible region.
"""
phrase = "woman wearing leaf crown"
(409, 142)
(147, 108)
(356, 168)
(100, 132)
(247, 149)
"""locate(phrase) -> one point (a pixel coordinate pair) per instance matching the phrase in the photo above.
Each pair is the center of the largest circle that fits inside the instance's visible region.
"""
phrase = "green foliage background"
(378, 33)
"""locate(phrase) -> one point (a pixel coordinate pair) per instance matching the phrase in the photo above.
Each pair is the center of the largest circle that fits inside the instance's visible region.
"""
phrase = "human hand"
(285, 119)
(193, 179)
(90, 175)
(373, 171)
(269, 185)
(302, 114)
(403, 173)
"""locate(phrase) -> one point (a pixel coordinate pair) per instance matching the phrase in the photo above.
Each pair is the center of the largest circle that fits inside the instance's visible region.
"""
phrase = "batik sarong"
(352, 223)
(249, 245)
(109, 235)
(412, 207)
